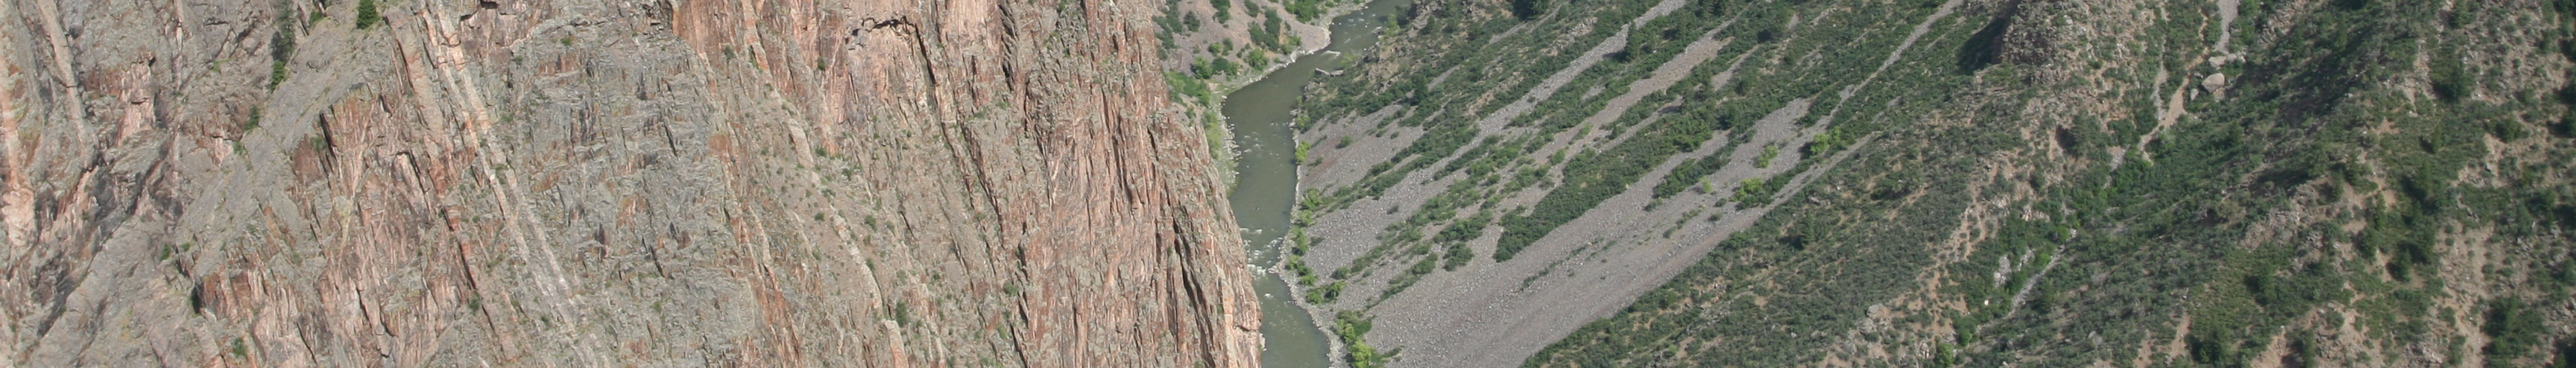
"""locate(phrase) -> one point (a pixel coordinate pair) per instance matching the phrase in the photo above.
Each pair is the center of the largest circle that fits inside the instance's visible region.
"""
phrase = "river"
(1266, 180)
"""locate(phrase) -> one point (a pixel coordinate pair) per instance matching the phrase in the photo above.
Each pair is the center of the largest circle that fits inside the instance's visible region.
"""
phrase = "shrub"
(2450, 80)
(367, 16)
(1524, 9)
(1306, 10)
(1752, 191)
(281, 46)
(1458, 256)
(1688, 173)
(1351, 327)
(1326, 294)
(1768, 153)
(2513, 329)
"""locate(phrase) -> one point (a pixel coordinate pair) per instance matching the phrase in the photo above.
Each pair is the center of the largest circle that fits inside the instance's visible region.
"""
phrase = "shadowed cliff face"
(867, 183)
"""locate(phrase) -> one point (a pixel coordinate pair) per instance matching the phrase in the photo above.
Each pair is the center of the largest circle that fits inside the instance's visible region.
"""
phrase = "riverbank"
(1221, 142)
(1259, 117)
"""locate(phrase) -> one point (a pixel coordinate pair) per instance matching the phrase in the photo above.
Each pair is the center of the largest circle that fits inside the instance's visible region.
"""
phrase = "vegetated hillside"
(1225, 43)
(1943, 183)
(1211, 47)
(595, 183)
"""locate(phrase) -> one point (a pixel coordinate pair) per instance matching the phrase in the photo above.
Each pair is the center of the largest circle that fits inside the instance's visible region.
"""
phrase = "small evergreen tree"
(367, 16)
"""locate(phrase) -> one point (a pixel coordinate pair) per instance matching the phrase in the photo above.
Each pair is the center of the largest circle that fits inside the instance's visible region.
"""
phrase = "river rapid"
(1266, 180)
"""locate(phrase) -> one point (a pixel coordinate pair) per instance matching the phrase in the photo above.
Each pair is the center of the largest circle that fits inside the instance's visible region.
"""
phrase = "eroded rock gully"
(588, 183)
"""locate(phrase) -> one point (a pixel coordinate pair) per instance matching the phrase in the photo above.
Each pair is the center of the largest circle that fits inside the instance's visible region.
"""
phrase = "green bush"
(2512, 330)
(1688, 174)
(1325, 294)
(1524, 9)
(1768, 153)
(281, 47)
(1458, 256)
(1266, 36)
(1752, 192)
(1351, 327)
(367, 16)
(1305, 10)
(1302, 147)
(1185, 86)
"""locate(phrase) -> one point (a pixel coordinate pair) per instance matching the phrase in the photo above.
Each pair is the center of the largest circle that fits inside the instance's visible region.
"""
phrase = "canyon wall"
(596, 182)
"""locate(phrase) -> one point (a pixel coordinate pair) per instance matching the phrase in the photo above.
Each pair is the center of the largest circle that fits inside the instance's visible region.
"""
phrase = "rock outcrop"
(597, 182)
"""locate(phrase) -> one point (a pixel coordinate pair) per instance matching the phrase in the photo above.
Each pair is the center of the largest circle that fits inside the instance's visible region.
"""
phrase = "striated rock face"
(587, 183)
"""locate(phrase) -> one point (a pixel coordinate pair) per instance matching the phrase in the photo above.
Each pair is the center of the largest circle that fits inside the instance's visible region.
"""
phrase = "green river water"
(1266, 180)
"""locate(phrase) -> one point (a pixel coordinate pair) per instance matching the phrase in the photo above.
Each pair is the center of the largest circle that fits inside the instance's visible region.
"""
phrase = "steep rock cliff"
(514, 182)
